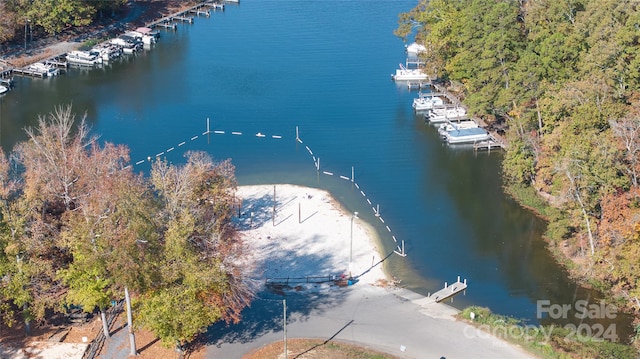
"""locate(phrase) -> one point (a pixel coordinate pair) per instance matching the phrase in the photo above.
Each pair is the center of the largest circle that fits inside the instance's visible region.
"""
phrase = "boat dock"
(6, 77)
(448, 291)
(414, 63)
(199, 12)
(166, 25)
(183, 19)
(24, 71)
(418, 85)
(491, 143)
(454, 100)
(59, 61)
(167, 22)
(215, 5)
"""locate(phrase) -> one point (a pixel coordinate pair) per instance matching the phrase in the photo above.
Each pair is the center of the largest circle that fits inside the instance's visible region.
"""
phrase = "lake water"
(268, 66)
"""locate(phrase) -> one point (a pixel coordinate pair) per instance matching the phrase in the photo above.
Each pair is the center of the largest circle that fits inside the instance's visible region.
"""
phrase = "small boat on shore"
(426, 102)
(405, 74)
(466, 135)
(3, 89)
(440, 115)
(89, 58)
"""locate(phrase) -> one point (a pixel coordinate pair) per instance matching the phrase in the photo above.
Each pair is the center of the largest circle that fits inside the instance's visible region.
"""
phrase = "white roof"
(416, 48)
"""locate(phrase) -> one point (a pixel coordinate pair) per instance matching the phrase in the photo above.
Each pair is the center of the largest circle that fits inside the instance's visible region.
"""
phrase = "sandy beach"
(310, 236)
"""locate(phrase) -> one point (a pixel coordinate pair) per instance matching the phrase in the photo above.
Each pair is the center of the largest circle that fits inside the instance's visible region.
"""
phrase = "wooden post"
(299, 213)
(273, 217)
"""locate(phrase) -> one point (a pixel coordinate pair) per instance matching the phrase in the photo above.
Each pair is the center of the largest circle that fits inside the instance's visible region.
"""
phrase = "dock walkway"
(448, 291)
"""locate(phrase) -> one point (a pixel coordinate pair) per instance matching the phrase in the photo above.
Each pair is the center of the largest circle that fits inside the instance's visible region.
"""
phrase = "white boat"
(404, 74)
(450, 126)
(84, 57)
(144, 34)
(415, 49)
(3, 89)
(108, 52)
(45, 70)
(129, 44)
(440, 115)
(466, 135)
(426, 102)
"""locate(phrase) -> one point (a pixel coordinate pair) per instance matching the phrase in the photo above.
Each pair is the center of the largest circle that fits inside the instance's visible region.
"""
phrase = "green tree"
(202, 279)
(56, 15)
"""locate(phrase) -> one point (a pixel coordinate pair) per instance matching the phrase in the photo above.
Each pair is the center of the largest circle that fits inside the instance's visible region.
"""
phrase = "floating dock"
(183, 19)
(199, 12)
(167, 22)
(165, 25)
(418, 85)
(448, 291)
(488, 145)
(29, 72)
(6, 77)
(215, 5)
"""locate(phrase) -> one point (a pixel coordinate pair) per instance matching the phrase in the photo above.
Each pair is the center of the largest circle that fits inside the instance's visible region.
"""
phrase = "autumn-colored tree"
(104, 230)
(32, 215)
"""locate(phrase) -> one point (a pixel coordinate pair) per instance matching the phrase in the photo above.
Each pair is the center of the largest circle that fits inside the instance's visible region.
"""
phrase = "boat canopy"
(145, 30)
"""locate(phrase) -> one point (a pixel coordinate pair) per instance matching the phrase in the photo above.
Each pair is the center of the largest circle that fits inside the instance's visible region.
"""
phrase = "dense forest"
(50, 16)
(561, 80)
(79, 228)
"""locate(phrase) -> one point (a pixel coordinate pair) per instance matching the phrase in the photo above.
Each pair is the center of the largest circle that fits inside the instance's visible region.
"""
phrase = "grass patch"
(90, 43)
(528, 198)
(316, 349)
(548, 342)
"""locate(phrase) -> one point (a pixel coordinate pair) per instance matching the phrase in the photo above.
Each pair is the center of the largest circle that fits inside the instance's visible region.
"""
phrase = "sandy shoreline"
(311, 235)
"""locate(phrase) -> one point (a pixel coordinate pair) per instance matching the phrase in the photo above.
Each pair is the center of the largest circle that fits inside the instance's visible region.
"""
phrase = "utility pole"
(25, 34)
(132, 337)
(355, 215)
(284, 325)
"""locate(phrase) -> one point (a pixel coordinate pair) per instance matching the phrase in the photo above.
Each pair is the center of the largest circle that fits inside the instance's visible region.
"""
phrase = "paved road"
(392, 321)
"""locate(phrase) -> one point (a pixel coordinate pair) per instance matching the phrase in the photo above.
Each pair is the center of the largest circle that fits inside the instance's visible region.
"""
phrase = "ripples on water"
(268, 66)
